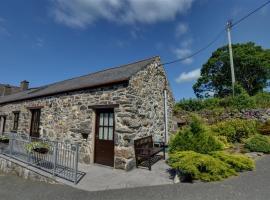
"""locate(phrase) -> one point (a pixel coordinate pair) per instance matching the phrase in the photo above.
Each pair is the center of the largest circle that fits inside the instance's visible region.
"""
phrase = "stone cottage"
(103, 111)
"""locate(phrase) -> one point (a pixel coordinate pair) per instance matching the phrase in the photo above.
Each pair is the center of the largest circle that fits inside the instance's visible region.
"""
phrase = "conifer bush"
(197, 137)
(258, 143)
(238, 162)
(200, 166)
(236, 130)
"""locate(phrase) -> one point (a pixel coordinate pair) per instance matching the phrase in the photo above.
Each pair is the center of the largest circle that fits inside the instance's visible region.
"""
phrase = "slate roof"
(97, 79)
(14, 89)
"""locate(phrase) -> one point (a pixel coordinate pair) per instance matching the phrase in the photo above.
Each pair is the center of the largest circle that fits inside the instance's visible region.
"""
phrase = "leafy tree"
(252, 71)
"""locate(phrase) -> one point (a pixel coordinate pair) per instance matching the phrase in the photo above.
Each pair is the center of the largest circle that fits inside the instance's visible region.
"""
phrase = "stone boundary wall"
(14, 167)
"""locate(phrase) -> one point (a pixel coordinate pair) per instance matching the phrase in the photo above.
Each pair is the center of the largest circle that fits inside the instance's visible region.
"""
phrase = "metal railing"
(59, 158)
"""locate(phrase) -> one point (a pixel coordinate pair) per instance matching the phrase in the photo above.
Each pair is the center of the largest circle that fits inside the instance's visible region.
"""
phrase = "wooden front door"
(35, 121)
(104, 137)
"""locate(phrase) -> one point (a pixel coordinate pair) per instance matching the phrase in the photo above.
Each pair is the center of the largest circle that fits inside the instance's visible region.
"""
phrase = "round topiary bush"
(258, 143)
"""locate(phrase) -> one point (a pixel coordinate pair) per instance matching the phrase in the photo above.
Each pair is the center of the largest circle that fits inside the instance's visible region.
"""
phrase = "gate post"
(11, 144)
(55, 150)
(76, 162)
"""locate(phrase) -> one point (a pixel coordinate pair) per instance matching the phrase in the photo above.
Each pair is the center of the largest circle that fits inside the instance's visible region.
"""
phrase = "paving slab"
(99, 177)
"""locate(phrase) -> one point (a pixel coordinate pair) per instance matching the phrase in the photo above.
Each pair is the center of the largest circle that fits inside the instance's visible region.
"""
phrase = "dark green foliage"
(235, 129)
(258, 143)
(197, 137)
(239, 102)
(252, 71)
(238, 162)
(197, 104)
(200, 166)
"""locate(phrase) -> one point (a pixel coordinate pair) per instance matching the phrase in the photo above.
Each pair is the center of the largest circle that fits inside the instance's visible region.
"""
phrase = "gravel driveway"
(248, 186)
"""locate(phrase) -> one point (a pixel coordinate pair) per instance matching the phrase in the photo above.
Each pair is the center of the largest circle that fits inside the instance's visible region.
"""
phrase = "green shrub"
(200, 166)
(197, 137)
(197, 104)
(235, 129)
(238, 162)
(258, 143)
(30, 147)
(241, 101)
(262, 99)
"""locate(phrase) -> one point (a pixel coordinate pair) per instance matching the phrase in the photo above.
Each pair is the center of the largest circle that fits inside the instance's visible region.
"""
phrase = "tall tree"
(252, 71)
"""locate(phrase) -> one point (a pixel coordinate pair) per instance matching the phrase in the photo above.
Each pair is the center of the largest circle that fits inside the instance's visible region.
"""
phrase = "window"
(35, 122)
(16, 121)
(106, 125)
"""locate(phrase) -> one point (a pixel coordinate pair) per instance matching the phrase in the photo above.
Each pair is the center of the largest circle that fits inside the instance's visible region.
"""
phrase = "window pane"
(111, 119)
(105, 133)
(101, 119)
(100, 133)
(105, 119)
(110, 133)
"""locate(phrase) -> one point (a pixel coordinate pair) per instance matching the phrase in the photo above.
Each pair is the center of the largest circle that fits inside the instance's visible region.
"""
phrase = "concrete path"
(248, 186)
(103, 178)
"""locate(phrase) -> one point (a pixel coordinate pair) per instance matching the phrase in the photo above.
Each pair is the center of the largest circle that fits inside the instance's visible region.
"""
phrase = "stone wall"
(14, 168)
(256, 114)
(70, 116)
(143, 115)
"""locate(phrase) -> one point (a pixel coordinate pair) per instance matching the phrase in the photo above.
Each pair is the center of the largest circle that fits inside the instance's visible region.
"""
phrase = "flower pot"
(41, 150)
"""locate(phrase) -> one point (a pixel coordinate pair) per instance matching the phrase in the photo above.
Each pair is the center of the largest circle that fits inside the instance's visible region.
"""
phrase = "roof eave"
(69, 90)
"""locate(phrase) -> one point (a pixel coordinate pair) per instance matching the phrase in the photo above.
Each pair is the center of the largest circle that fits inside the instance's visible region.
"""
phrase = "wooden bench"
(145, 150)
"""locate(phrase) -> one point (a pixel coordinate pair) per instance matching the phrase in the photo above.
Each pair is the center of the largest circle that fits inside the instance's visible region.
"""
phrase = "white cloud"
(3, 30)
(188, 76)
(80, 13)
(181, 29)
(39, 42)
(186, 43)
(182, 53)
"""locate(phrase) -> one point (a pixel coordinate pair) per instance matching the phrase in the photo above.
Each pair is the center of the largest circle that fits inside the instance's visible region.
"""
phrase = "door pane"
(111, 119)
(101, 119)
(110, 137)
(100, 135)
(105, 137)
(106, 119)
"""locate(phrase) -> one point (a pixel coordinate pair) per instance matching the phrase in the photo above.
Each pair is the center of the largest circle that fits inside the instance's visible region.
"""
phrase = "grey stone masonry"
(70, 116)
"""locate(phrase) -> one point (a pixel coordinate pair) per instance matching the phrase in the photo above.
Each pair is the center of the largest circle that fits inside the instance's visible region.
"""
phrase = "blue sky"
(45, 41)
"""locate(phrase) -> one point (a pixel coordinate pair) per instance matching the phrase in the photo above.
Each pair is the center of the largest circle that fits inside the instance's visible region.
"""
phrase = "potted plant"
(38, 147)
(4, 139)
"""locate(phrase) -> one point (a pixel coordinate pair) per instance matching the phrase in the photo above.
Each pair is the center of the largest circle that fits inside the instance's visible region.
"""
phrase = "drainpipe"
(166, 116)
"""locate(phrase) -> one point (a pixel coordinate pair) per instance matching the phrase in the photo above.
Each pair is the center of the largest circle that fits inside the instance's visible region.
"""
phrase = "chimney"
(24, 85)
(7, 90)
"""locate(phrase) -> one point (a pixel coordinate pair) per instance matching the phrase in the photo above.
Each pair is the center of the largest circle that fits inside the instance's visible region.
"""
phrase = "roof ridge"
(50, 84)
